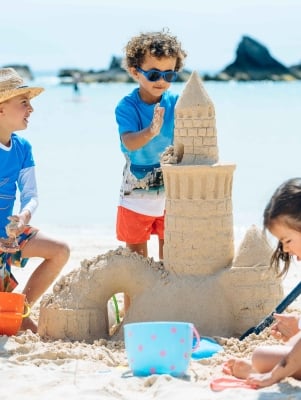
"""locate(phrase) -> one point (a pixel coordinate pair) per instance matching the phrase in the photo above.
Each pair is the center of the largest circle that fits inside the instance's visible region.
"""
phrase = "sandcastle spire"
(195, 127)
(246, 256)
(194, 95)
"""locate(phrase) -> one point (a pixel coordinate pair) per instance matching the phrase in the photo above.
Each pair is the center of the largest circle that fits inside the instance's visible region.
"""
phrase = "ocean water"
(79, 163)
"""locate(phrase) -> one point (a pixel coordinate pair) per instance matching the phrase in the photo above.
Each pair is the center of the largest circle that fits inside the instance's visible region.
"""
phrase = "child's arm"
(29, 202)
(135, 140)
(288, 366)
(28, 192)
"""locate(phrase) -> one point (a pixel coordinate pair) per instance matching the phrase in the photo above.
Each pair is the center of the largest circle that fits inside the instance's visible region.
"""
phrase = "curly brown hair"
(158, 44)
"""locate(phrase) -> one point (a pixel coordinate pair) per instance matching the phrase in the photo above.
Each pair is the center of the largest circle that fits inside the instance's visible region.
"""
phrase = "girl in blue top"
(145, 119)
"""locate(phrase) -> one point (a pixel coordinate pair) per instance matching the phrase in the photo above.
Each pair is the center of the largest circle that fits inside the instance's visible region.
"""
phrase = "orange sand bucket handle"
(28, 310)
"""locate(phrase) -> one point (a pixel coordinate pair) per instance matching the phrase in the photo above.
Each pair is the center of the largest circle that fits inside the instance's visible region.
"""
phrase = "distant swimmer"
(76, 80)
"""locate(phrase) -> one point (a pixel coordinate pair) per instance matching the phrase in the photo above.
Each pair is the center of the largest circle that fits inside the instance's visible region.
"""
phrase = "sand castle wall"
(225, 303)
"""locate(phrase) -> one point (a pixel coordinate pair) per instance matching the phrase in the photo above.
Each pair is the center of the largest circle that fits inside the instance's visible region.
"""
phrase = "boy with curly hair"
(145, 119)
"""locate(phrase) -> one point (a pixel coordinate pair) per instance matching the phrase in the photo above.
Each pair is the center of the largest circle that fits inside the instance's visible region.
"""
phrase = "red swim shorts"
(134, 228)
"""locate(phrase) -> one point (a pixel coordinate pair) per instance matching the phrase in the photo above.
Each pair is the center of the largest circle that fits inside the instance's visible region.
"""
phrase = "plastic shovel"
(229, 382)
(267, 321)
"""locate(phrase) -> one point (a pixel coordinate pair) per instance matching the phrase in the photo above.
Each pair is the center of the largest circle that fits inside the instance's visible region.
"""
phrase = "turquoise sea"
(79, 164)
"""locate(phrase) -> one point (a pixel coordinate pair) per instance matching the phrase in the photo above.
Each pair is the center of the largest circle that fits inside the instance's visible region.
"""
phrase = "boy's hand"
(172, 155)
(8, 245)
(13, 230)
(157, 121)
(15, 227)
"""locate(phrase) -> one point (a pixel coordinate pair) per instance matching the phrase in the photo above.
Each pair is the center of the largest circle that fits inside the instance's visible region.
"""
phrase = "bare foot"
(238, 367)
(29, 324)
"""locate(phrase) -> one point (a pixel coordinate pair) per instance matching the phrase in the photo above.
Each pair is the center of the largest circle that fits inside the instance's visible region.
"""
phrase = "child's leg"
(264, 359)
(55, 254)
(161, 246)
(140, 248)
(238, 367)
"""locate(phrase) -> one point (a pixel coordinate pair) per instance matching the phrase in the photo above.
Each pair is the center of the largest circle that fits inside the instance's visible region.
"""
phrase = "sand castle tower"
(199, 222)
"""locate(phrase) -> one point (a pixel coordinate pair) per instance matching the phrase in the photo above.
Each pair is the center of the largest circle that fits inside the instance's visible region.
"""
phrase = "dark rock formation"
(296, 70)
(23, 70)
(254, 62)
(67, 75)
(115, 73)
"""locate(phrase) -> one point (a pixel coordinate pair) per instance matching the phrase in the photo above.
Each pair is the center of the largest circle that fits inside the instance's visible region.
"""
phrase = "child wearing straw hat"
(20, 241)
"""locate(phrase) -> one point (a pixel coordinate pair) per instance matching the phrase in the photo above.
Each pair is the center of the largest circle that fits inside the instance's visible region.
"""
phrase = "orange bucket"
(12, 312)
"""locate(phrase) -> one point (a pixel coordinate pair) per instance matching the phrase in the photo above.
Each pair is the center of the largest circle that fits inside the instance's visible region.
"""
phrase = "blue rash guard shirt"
(142, 188)
(16, 168)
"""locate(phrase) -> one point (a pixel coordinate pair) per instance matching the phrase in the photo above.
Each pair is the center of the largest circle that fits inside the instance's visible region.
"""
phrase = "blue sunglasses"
(154, 75)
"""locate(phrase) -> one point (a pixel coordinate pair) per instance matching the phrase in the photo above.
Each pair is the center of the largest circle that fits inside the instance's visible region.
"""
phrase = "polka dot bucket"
(160, 347)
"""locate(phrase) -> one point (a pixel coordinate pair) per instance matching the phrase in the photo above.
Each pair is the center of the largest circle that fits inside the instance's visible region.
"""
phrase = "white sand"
(32, 368)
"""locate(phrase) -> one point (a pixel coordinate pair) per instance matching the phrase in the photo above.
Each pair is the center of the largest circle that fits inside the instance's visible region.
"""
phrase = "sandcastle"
(202, 280)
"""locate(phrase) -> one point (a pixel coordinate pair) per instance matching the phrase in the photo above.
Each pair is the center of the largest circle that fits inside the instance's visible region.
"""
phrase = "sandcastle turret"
(199, 221)
(195, 126)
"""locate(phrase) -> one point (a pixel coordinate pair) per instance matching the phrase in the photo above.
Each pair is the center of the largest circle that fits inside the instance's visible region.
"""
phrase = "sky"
(53, 34)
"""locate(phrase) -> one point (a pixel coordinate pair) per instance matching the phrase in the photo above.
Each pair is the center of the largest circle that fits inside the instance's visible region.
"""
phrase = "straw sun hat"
(12, 85)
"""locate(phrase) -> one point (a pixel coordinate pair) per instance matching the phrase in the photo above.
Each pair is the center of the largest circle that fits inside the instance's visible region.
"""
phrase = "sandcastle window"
(115, 308)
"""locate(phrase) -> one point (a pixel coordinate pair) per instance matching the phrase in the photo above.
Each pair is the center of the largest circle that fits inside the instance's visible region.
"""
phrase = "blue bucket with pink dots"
(160, 347)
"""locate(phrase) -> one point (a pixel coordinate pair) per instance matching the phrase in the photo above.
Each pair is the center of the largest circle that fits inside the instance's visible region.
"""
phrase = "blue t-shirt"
(142, 187)
(133, 115)
(12, 160)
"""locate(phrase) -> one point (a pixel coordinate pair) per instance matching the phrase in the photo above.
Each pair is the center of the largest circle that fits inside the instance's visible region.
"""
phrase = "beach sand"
(35, 368)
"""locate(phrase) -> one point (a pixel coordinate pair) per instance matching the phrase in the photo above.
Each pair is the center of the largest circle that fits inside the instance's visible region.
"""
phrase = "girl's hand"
(260, 380)
(157, 121)
(285, 326)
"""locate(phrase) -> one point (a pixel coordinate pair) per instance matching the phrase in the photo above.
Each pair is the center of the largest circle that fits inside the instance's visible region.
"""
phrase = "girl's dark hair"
(158, 44)
(284, 207)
